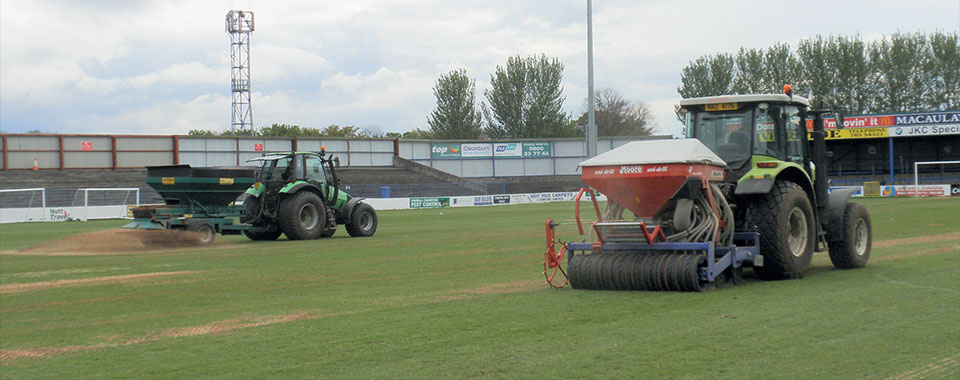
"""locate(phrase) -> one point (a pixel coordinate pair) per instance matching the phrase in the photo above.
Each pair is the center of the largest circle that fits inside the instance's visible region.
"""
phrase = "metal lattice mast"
(239, 26)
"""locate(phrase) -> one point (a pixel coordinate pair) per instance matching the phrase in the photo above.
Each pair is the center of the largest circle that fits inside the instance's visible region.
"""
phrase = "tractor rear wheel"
(204, 231)
(262, 235)
(301, 216)
(784, 218)
(363, 221)
(853, 248)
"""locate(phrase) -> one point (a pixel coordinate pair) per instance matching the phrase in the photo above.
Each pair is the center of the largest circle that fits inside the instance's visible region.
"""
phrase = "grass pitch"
(459, 293)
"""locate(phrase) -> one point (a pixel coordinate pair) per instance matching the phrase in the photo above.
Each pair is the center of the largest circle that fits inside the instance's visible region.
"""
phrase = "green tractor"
(776, 180)
(297, 194)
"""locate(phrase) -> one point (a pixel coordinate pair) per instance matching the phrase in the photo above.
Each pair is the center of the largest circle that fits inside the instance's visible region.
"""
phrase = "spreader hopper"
(643, 175)
(183, 185)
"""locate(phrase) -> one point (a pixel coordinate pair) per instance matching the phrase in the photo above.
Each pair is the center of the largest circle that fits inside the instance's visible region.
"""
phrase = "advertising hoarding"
(476, 150)
(444, 151)
(507, 150)
(537, 150)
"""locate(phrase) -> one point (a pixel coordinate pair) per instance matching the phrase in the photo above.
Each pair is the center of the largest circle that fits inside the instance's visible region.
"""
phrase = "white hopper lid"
(675, 151)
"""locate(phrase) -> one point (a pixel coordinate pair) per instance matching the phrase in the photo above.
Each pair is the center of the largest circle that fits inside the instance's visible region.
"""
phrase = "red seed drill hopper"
(666, 225)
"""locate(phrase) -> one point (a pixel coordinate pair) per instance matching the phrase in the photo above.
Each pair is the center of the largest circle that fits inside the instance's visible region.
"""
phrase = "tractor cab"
(277, 170)
(740, 127)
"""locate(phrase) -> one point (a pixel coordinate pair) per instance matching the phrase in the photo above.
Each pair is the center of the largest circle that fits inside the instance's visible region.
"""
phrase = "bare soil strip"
(129, 278)
(954, 236)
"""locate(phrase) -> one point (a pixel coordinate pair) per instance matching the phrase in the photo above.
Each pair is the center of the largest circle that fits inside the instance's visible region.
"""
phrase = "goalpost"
(916, 172)
(25, 205)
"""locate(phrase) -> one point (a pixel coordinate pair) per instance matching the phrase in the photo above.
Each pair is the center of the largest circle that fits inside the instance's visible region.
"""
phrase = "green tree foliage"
(334, 130)
(707, 76)
(289, 130)
(202, 132)
(456, 115)
(616, 116)
(900, 73)
(526, 100)
(418, 134)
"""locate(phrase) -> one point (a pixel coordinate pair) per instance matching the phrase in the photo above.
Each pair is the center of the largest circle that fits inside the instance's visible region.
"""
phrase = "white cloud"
(206, 111)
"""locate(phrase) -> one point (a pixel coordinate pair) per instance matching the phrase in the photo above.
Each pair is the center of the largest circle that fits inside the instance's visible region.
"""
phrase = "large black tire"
(204, 231)
(363, 221)
(301, 216)
(784, 218)
(856, 238)
(251, 206)
(263, 235)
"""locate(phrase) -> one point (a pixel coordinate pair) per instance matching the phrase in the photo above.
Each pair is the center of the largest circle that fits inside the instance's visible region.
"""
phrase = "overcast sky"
(163, 67)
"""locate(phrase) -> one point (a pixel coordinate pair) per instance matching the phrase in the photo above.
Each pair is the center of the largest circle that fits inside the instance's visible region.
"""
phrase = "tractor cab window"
(280, 169)
(769, 125)
(725, 133)
(315, 169)
(779, 133)
(796, 134)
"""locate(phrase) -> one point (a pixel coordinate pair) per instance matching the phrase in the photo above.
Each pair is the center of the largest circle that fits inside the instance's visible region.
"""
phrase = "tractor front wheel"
(853, 248)
(363, 221)
(301, 216)
(784, 218)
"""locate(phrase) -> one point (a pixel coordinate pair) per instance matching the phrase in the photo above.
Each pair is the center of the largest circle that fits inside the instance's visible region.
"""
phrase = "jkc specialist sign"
(925, 130)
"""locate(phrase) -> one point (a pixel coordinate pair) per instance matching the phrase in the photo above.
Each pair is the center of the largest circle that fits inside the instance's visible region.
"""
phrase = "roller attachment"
(666, 271)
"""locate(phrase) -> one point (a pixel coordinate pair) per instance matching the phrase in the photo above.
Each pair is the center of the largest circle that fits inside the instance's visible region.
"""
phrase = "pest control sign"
(258, 147)
(86, 146)
(429, 202)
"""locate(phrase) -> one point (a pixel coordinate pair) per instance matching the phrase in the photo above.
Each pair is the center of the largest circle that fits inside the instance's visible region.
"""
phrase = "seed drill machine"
(747, 188)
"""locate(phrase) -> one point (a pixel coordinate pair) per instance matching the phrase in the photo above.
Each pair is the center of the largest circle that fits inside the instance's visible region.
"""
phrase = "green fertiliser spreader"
(296, 194)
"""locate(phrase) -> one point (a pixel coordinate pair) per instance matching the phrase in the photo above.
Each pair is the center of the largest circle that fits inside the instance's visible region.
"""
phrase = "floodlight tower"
(239, 26)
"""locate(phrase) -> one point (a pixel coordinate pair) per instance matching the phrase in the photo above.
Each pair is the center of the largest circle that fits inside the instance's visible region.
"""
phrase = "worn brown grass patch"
(937, 369)
(934, 251)
(503, 288)
(127, 279)
(218, 327)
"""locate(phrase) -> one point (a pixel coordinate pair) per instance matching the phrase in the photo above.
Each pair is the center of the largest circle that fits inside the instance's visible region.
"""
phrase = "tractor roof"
(780, 98)
(279, 155)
